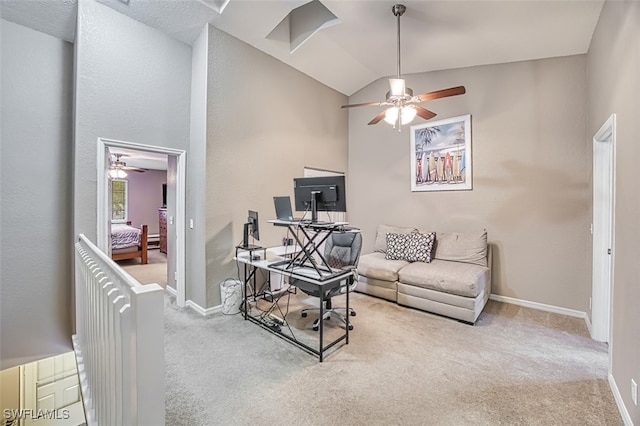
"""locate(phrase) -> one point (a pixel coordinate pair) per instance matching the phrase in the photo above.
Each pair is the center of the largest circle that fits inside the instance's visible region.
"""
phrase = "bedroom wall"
(265, 122)
(132, 84)
(613, 69)
(531, 168)
(36, 178)
(145, 197)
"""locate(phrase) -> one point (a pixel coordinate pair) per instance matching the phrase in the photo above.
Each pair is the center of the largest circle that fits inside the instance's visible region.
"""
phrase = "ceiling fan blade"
(363, 104)
(444, 93)
(377, 118)
(424, 113)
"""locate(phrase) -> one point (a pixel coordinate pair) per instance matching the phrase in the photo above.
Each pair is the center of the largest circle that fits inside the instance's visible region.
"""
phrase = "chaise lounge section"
(455, 281)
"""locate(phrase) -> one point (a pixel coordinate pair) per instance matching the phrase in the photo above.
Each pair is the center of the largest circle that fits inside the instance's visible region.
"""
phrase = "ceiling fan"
(403, 105)
(117, 167)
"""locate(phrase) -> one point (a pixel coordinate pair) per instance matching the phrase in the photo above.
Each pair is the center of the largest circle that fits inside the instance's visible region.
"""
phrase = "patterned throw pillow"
(396, 246)
(420, 247)
(410, 247)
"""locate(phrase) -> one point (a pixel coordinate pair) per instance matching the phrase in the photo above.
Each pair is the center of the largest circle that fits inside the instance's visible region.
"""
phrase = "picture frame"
(441, 155)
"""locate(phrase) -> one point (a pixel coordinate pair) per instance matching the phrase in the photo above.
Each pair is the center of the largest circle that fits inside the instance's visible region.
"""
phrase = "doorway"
(176, 202)
(604, 142)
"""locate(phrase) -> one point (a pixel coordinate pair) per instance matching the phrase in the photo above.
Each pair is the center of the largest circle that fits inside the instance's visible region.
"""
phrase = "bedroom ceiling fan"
(117, 167)
(403, 106)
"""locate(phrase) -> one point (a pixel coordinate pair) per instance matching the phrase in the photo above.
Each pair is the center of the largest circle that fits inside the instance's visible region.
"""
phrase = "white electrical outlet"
(634, 391)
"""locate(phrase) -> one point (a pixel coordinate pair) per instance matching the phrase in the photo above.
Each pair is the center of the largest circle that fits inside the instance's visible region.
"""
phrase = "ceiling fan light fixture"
(407, 114)
(117, 173)
(391, 115)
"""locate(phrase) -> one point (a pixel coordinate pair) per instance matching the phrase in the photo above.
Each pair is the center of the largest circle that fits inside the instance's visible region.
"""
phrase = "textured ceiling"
(361, 48)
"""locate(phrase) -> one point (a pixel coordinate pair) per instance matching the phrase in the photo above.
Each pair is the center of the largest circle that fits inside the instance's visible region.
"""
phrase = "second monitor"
(251, 228)
(324, 193)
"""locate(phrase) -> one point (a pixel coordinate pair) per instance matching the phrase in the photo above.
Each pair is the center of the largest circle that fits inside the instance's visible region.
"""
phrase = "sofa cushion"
(462, 247)
(380, 244)
(463, 279)
(374, 265)
(412, 247)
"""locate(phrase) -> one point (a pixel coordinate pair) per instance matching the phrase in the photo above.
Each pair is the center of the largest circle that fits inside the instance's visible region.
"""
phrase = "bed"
(128, 242)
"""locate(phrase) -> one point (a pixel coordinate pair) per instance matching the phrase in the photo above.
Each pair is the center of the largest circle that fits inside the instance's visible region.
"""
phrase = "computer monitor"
(251, 228)
(323, 193)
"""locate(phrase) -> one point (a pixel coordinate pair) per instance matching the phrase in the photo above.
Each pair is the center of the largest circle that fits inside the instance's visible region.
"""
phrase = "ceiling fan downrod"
(398, 10)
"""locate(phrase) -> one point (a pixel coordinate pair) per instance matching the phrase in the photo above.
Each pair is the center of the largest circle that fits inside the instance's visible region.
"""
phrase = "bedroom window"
(119, 204)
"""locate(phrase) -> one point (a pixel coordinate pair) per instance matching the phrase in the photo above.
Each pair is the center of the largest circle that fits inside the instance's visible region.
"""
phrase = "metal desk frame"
(314, 235)
(324, 285)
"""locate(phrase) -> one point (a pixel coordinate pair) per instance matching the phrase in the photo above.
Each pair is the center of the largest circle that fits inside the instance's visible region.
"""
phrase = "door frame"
(602, 290)
(181, 192)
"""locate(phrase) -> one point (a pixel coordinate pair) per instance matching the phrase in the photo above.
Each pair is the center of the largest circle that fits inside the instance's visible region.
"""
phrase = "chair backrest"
(343, 249)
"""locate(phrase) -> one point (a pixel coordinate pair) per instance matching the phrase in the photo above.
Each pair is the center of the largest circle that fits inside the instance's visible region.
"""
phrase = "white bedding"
(123, 236)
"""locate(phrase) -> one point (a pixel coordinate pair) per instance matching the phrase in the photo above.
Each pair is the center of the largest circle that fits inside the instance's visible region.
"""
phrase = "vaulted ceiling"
(359, 45)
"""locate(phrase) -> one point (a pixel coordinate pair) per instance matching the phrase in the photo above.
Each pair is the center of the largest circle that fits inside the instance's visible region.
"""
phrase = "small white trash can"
(231, 296)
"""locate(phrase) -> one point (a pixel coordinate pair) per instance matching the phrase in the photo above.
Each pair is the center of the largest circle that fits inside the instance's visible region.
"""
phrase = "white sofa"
(456, 282)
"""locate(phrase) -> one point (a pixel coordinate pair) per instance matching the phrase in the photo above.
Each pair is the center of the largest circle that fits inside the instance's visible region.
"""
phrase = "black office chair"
(342, 251)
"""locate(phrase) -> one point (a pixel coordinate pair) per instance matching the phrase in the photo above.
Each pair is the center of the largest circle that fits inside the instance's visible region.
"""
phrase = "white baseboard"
(541, 306)
(202, 311)
(193, 305)
(626, 417)
(588, 322)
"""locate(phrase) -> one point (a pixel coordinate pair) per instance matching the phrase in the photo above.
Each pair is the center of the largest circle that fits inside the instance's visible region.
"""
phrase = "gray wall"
(35, 212)
(145, 197)
(531, 167)
(265, 122)
(132, 84)
(197, 170)
(614, 87)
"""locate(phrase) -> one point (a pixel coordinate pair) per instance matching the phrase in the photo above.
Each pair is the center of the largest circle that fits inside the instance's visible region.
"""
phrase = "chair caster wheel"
(350, 327)
(315, 328)
(304, 315)
(353, 313)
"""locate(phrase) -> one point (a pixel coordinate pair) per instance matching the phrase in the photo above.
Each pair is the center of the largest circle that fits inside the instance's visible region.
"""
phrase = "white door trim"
(181, 191)
(602, 288)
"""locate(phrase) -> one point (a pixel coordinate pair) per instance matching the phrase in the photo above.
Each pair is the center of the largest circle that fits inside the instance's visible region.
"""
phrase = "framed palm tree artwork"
(441, 155)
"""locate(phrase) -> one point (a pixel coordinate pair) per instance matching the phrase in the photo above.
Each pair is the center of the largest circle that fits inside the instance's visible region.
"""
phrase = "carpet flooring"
(155, 271)
(516, 366)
